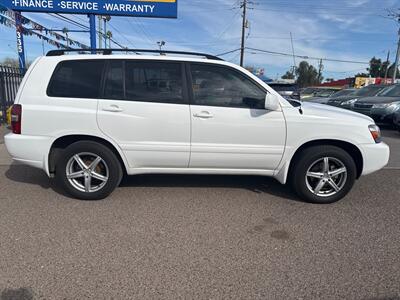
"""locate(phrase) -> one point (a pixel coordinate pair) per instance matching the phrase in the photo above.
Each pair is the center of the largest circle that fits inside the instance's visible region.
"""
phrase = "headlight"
(381, 105)
(349, 102)
(394, 106)
(375, 132)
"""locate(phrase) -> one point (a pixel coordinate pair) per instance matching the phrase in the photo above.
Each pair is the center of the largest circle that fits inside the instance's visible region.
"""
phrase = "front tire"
(323, 174)
(88, 170)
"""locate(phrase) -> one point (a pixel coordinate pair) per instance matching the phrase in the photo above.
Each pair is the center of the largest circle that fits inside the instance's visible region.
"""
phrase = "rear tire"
(88, 170)
(323, 174)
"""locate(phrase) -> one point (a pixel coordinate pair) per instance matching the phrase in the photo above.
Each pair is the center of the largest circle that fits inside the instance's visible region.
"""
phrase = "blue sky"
(340, 29)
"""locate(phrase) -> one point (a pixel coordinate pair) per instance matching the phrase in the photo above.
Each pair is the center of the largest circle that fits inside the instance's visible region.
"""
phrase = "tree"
(375, 67)
(13, 62)
(288, 75)
(362, 75)
(307, 75)
(10, 62)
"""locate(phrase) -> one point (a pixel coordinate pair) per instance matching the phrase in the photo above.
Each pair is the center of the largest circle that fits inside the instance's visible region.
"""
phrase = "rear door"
(145, 110)
(231, 129)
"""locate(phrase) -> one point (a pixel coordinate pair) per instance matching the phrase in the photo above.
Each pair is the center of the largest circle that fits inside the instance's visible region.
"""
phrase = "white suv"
(89, 119)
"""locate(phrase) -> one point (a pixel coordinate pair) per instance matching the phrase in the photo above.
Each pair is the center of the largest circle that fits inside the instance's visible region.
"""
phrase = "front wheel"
(88, 170)
(323, 174)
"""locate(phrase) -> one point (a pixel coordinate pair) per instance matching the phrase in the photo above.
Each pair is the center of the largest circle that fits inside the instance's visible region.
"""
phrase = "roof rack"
(136, 51)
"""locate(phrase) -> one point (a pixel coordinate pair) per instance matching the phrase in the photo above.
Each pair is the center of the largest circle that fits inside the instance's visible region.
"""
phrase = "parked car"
(88, 119)
(317, 92)
(286, 90)
(396, 119)
(381, 107)
(324, 100)
(348, 101)
(8, 117)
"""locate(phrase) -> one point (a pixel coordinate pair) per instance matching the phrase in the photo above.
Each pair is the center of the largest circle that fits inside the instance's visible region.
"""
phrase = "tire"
(88, 170)
(311, 180)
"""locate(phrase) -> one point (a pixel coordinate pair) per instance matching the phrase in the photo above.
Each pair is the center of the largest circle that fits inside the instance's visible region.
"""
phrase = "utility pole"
(396, 64)
(105, 20)
(294, 56)
(100, 29)
(396, 16)
(387, 66)
(244, 26)
(320, 68)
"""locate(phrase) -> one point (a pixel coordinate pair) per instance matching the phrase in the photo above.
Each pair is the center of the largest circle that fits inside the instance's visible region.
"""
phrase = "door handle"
(113, 108)
(203, 115)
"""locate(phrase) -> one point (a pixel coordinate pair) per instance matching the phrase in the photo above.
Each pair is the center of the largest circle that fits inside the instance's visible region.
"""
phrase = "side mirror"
(272, 102)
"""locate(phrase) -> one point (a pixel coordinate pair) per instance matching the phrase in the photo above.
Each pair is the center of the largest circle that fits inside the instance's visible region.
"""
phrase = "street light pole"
(161, 44)
(396, 64)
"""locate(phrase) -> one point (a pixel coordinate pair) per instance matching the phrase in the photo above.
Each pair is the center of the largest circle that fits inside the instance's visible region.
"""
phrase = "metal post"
(387, 66)
(92, 23)
(3, 101)
(20, 41)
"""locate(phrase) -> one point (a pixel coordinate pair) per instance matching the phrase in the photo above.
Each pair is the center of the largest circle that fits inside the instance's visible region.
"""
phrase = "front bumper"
(29, 150)
(375, 157)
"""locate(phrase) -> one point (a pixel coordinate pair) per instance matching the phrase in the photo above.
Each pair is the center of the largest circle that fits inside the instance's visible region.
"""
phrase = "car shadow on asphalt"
(29, 175)
(256, 184)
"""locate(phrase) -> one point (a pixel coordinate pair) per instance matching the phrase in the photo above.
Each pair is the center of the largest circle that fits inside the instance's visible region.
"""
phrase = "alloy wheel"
(326, 176)
(87, 172)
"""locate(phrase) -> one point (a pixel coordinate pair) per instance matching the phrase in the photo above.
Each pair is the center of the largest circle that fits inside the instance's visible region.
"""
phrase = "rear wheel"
(88, 170)
(323, 174)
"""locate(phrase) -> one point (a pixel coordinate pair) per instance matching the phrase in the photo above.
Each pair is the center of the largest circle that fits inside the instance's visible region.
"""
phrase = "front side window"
(76, 79)
(222, 86)
(154, 82)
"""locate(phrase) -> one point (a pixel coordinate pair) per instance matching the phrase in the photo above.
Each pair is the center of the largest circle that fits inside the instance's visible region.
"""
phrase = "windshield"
(393, 91)
(344, 93)
(370, 90)
(324, 93)
(308, 91)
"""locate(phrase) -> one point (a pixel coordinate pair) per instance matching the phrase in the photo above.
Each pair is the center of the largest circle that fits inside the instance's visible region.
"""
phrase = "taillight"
(16, 116)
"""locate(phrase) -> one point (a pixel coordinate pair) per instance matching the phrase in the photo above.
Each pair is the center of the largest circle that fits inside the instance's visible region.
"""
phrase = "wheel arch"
(64, 141)
(350, 148)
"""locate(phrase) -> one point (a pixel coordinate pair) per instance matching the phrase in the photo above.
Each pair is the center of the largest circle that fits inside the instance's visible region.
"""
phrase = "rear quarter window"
(76, 79)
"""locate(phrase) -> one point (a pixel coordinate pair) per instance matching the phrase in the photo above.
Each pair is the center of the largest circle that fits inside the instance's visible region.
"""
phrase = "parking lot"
(198, 237)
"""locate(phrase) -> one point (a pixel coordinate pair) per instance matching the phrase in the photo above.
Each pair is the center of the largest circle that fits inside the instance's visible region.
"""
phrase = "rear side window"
(76, 79)
(153, 82)
(139, 81)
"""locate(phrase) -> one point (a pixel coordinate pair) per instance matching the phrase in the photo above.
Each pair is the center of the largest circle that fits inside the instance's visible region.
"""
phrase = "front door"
(145, 111)
(231, 129)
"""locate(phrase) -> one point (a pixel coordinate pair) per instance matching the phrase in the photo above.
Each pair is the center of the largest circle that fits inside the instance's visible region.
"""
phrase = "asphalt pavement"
(202, 237)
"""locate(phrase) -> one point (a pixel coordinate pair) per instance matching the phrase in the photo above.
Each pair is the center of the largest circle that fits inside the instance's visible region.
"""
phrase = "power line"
(309, 57)
(73, 22)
